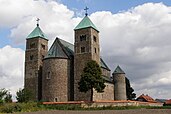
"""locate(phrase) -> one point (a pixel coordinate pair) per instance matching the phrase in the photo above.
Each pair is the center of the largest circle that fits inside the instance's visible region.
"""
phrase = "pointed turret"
(37, 33)
(118, 70)
(86, 23)
(119, 84)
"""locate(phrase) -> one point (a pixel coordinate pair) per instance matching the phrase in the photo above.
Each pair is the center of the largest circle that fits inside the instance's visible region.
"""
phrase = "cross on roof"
(38, 21)
(86, 9)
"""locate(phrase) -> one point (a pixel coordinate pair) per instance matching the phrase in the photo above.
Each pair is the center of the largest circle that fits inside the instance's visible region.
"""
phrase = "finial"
(38, 21)
(86, 8)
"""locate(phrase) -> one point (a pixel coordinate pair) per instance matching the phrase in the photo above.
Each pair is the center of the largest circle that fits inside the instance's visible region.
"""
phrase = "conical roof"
(56, 50)
(37, 32)
(85, 23)
(118, 70)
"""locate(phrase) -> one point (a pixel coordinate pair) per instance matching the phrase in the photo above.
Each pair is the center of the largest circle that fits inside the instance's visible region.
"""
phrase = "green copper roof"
(37, 32)
(60, 48)
(56, 50)
(103, 64)
(85, 23)
(118, 70)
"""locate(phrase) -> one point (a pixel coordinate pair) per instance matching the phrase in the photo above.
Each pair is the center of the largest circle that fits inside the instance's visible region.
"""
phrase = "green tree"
(5, 96)
(91, 78)
(23, 95)
(129, 90)
(8, 98)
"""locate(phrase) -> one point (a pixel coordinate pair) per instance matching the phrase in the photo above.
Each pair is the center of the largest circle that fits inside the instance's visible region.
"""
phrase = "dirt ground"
(135, 111)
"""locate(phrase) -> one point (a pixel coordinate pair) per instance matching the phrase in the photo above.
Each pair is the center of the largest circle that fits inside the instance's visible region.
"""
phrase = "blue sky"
(108, 5)
(134, 34)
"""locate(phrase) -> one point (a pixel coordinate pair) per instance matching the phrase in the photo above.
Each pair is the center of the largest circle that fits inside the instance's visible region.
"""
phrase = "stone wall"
(108, 93)
(55, 79)
(105, 72)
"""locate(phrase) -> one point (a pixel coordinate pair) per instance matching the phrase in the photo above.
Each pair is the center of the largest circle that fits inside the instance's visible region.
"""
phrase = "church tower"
(36, 49)
(86, 48)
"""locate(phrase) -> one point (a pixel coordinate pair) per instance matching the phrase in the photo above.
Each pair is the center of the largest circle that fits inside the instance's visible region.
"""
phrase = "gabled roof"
(37, 32)
(118, 70)
(85, 23)
(146, 98)
(61, 48)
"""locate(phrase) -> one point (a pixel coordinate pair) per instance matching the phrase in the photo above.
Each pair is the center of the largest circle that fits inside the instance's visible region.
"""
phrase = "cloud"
(55, 18)
(137, 39)
(11, 68)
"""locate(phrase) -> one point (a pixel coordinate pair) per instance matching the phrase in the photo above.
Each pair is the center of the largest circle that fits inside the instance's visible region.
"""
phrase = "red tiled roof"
(146, 98)
(168, 101)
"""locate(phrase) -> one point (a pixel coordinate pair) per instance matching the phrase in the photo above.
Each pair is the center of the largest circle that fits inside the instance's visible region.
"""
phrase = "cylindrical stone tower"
(55, 80)
(119, 84)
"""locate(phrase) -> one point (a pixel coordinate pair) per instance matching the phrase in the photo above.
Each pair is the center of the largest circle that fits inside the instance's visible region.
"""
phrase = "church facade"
(53, 75)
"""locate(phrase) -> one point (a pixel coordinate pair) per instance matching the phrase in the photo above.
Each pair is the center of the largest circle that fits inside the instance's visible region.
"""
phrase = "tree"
(23, 95)
(129, 90)
(91, 78)
(5, 96)
(8, 98)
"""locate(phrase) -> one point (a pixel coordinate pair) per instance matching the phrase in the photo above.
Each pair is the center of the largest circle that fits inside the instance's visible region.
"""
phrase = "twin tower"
(53, 75)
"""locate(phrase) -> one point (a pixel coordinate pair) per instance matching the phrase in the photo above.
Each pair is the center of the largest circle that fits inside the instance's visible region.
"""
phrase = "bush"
(10, 108)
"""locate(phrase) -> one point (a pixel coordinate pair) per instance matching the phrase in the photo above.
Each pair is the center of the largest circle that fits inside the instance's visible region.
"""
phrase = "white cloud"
(11, 68)
(137, 39)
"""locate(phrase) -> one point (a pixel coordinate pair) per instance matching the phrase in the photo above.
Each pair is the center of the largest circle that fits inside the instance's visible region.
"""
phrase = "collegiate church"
(53, 75)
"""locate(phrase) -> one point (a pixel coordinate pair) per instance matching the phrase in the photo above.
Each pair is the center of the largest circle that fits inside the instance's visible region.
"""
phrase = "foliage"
(34, 106)
(8, 98)
(24, 95)
(91, 78)
(5, 96)
(129, 90)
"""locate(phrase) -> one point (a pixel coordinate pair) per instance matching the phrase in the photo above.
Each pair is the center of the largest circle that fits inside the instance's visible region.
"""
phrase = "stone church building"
(53, 75)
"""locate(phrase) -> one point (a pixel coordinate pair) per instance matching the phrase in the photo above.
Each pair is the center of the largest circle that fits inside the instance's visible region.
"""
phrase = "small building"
(145, 98)
(160, 100)
(167, 103)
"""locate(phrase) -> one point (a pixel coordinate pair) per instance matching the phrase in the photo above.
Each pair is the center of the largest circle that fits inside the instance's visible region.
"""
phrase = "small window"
(82, 49)
(48, 75)
(83, 38)
(32, 45)
(31, 57)
(43, 46)
(94, 50)
(94, 38)
(56, 99)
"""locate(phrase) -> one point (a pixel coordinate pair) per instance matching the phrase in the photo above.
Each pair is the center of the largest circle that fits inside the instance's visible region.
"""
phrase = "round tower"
(57, 73)
(119, 84)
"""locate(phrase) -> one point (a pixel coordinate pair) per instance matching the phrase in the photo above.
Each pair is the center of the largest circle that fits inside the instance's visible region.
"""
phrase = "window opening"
(82, 49)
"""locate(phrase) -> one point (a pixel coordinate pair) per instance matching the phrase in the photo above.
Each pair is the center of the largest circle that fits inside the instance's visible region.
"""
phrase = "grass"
(34, 106)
